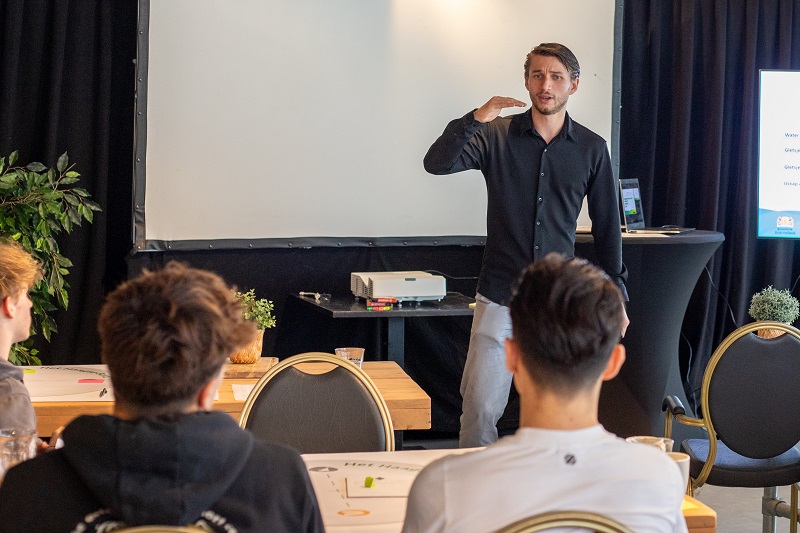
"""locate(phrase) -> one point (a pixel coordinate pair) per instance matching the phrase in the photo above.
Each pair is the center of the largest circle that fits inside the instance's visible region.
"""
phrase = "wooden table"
(409, 406)
(700, 518)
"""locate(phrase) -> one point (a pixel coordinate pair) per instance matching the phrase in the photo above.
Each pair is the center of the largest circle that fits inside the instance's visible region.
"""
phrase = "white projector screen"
(267, 122)
(779, 155)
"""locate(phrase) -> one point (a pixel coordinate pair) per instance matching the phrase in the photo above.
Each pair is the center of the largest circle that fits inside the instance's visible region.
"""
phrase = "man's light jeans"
(485, 382)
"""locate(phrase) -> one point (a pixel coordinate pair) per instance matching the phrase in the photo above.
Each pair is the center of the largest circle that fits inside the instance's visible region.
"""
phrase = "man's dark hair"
(165, 334)
(566, 318)
(560, 52)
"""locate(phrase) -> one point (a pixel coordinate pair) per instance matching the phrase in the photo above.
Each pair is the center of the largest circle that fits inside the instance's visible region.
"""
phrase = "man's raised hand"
(491, 109)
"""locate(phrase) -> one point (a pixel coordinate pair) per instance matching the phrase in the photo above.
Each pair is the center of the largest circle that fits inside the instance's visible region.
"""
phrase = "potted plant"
(36, 204)
(776, 306)
(258, 311)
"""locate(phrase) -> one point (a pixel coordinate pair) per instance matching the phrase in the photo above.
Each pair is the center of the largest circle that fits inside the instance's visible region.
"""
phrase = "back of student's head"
(18, 269)
(566, 317)
(165, 334)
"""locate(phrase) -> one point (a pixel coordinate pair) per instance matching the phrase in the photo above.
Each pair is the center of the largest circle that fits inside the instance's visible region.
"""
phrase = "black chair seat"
(734, 470)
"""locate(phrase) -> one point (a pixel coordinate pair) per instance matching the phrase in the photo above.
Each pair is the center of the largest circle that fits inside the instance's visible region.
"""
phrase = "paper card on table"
(241, 391)
(687, 505)
(383, 486)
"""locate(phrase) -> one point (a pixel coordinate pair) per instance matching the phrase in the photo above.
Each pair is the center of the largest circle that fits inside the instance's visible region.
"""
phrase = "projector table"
(453, 304)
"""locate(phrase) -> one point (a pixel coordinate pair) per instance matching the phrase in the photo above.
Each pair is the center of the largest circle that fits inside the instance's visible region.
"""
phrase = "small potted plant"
(776, 306)
(258, 311)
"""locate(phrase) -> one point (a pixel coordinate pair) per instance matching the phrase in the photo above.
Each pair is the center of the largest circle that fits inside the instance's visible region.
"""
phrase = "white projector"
(412, 286)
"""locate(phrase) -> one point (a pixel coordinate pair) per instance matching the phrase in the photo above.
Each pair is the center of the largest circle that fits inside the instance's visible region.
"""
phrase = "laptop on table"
(634, 216)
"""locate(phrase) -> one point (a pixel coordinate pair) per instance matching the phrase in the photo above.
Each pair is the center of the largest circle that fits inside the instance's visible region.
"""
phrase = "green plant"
(256, 310)
(36, 204)
(775, 305)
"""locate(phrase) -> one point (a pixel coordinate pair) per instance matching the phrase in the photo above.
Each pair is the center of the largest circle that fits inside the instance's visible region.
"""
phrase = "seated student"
(18, 273)
(566, 317)
(164, 457)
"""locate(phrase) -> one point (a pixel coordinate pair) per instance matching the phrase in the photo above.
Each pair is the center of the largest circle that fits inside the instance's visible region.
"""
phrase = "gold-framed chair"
(750, 401)
(558, 519)
(160, 529)
(337, 410)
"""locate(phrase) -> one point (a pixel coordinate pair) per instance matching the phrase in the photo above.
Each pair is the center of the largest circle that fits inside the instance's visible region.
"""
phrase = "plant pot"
(251, 353)
(769, 333)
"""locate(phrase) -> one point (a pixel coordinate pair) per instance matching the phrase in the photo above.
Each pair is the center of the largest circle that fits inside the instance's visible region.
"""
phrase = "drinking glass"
(354, 355)
(663, 443)
(16, 445)
(682, 460)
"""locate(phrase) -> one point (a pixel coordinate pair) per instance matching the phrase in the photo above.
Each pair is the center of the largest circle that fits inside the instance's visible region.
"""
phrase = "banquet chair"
(559, 519)
(337, 410)
(160, 529)
(750, 402)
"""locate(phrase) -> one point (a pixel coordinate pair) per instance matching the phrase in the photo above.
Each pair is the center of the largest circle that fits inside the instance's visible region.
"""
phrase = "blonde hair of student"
(19, 270)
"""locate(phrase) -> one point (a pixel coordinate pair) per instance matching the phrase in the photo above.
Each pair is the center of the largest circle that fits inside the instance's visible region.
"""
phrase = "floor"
(738, 510)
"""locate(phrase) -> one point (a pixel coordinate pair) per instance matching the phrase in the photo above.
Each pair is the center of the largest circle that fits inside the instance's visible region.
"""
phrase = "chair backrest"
(338, 410)
(558, 519)
(751, 394)
(160, 529)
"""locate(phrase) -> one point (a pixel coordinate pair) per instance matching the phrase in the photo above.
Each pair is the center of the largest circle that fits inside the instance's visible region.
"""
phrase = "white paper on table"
(241, 391)
(329, 478)
(72, 383)
(391, 486)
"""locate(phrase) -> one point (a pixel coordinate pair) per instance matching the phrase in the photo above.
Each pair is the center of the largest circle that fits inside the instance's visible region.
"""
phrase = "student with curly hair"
(164, 457)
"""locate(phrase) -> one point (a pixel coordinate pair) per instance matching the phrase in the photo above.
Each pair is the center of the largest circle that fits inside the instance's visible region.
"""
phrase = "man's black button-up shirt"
(535, 192)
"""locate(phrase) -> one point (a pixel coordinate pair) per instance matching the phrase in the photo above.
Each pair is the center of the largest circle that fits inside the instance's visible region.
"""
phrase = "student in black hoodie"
(164, 457)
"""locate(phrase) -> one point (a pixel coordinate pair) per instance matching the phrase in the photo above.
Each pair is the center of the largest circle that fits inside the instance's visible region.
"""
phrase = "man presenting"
(567, 316)
(538, 166)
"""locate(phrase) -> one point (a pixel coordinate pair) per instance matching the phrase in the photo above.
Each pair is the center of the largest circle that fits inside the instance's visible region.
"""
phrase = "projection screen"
(266, 123)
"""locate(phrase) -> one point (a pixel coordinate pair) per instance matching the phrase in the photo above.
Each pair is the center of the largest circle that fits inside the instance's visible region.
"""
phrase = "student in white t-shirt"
(566, 320)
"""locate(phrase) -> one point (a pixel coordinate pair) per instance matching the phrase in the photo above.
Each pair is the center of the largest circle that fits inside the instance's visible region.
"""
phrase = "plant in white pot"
(259, 311)
(776, 306)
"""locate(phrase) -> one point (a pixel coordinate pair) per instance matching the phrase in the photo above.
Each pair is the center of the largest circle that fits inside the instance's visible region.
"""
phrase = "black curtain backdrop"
(66, 84)
(689, 132)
